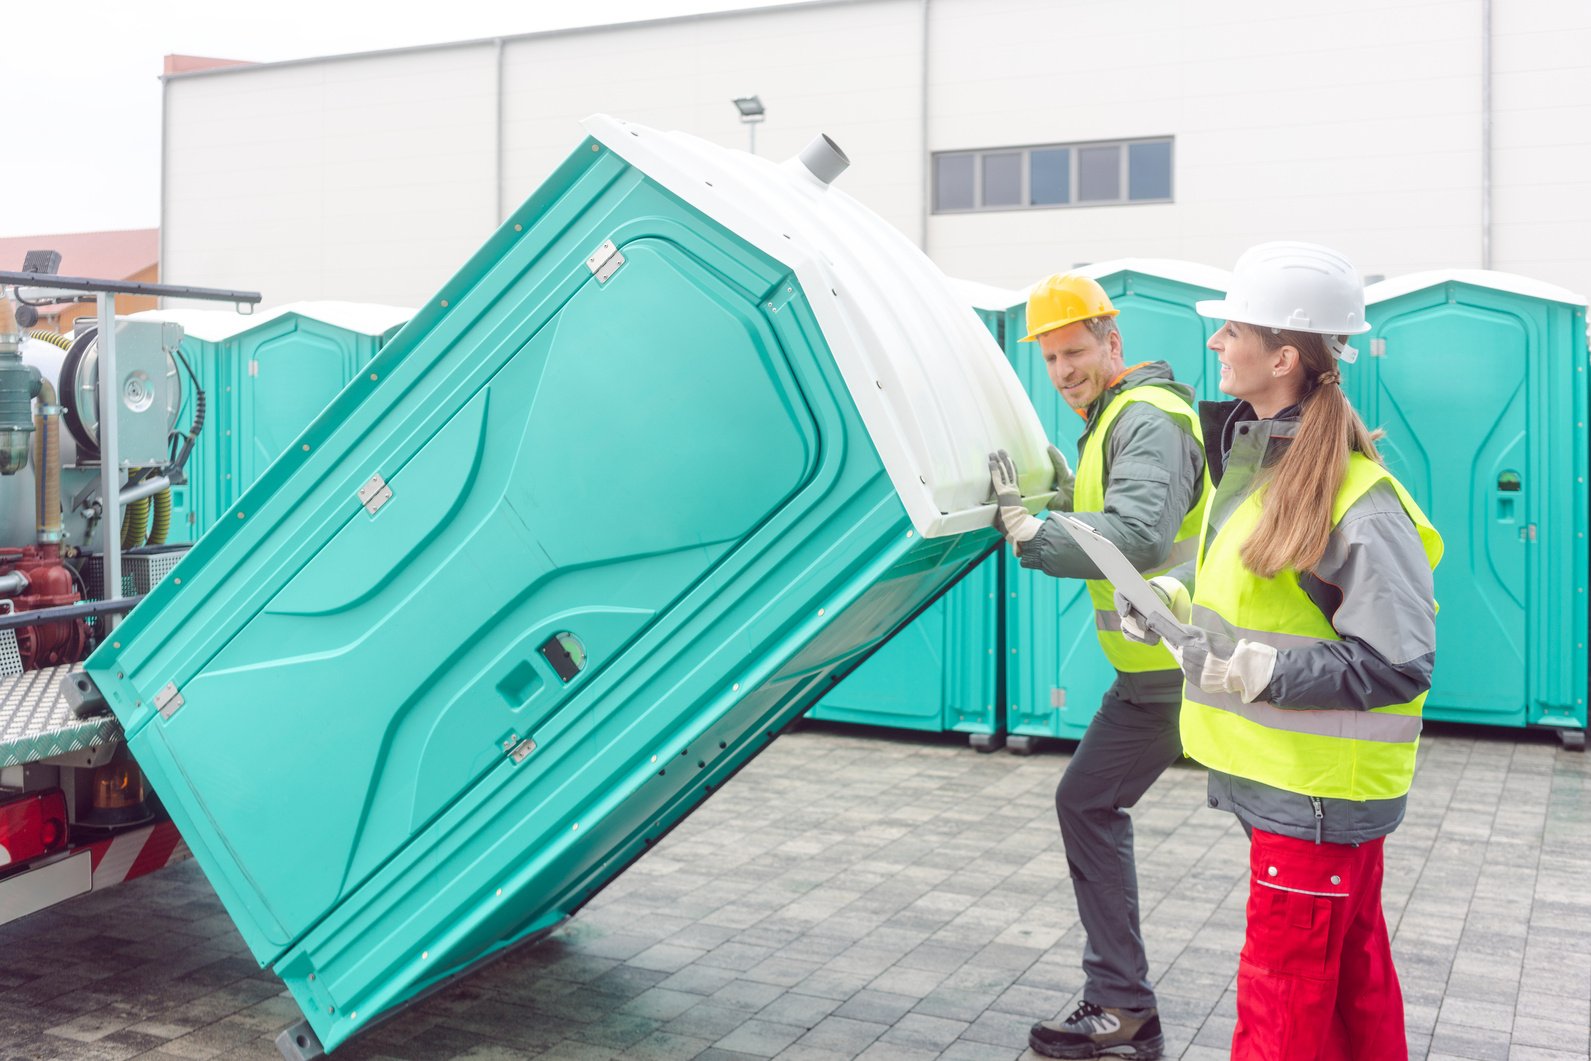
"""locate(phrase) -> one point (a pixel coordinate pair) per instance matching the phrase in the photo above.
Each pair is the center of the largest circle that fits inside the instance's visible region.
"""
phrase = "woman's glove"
(1209, 659)
(1011, 517)
(1218, 664)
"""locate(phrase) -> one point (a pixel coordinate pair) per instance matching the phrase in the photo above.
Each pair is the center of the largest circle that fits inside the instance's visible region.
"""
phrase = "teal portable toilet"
(1479, 380)
(687, 438)
(265, 376)
(942, 673)
(1056, 673)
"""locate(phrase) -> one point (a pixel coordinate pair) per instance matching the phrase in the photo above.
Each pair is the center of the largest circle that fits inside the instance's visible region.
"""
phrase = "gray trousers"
(1128, 744)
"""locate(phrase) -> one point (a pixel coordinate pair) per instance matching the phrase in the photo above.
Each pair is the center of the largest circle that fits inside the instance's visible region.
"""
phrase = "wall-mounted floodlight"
(751, 112)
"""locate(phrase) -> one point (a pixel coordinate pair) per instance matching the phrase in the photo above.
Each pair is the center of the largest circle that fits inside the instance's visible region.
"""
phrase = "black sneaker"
(1096, 1031)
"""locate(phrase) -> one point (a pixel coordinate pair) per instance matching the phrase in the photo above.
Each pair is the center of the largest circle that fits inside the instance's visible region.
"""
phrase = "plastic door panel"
(1459, 440)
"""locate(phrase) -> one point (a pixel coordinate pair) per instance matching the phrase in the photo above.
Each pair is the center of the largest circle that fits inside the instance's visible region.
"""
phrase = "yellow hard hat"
(1063, 299)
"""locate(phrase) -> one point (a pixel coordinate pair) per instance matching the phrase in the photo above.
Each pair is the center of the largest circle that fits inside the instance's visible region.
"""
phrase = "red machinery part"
(49, 585)
(32, 826)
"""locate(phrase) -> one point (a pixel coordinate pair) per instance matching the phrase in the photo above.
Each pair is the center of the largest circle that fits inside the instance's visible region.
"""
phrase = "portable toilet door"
(942, 673)
(1479, 380)
(1056, 674)
(689, 436)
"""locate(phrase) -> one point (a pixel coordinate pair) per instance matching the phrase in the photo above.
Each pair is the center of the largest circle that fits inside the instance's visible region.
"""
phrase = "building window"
(953, 182)
(1002, 178)
(1049, 176)
(1149, 170)
(1087, 174)
(1099, 173)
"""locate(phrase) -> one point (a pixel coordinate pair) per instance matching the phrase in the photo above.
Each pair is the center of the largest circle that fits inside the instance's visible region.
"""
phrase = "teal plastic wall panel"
(1158, 323)
(262, 388)
(1482, 394)
(942, 672)
(939, 674)
(1056, 673)
(294, 368)
(635, 526)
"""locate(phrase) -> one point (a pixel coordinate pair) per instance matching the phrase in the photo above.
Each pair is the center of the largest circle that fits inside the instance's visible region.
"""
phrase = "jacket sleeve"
(1153, 470)
(1374, 585)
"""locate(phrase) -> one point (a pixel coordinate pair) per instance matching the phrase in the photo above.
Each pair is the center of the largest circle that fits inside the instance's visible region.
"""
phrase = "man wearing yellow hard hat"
(1141, 483)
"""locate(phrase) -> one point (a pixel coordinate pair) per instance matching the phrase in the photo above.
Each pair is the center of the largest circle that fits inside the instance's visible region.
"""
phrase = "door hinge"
(374, 494)
(254, 367)
(1378, 348)
(168, 700)
(1057, 697)
(517, 749)
(605, 261)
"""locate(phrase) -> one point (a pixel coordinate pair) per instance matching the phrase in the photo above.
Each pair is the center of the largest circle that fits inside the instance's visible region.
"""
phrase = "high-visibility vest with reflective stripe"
(1324, 752)
(1088, 495)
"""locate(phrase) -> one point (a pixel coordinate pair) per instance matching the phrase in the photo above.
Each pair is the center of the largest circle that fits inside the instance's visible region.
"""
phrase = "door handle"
(1508, 484)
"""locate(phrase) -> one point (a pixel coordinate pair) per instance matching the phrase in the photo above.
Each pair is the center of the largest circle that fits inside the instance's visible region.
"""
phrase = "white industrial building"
(1009, 138)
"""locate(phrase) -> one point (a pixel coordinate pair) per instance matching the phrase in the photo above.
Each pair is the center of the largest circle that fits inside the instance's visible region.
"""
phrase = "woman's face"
(1248, 371)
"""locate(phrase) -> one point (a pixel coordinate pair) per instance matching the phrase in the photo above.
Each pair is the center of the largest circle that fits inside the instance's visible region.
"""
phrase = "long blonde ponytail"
(1298, 493)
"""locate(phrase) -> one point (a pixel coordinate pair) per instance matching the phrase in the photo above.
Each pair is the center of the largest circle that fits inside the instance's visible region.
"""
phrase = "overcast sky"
(81, 80)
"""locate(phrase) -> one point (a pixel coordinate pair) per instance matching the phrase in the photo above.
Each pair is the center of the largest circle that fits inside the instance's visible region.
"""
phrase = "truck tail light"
(32, 826)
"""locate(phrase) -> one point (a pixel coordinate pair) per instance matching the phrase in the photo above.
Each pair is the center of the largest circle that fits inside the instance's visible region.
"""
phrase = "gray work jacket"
(1153, 473)
(1374, 586)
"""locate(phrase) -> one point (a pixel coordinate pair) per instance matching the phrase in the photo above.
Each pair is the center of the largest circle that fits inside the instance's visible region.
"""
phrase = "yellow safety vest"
(1088, 495)
(1329, 753)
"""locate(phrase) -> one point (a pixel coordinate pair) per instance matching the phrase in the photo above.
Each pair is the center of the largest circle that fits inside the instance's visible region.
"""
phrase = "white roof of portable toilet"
(1511, 282)
(1195, 274)
(218, 325)
(984, 296)
(931, 384)
(1192, 273)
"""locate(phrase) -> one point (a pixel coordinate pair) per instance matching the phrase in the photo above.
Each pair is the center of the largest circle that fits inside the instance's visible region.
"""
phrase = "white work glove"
(1218, 664)
(1064, 481)
(1209, 659)
(1135, 625)
(1010, 518)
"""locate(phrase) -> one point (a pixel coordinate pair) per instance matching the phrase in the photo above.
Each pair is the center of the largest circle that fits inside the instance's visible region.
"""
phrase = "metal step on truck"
(689, 438)
(75, 812)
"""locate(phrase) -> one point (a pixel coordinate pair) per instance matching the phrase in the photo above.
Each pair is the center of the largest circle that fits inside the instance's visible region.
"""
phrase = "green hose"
(162, 522)
(135, 523)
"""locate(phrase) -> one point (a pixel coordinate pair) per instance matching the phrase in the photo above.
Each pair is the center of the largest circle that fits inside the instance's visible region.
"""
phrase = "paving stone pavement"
(850, 895)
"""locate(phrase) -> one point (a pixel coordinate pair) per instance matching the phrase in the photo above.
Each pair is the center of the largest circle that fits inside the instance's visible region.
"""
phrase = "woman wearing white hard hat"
(1306, 637)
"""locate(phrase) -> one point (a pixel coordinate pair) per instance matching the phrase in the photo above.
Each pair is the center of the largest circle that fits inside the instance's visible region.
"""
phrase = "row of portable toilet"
(1479, 381)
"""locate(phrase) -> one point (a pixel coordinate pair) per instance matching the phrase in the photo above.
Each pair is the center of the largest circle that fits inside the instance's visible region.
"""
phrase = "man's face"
(1080, 366)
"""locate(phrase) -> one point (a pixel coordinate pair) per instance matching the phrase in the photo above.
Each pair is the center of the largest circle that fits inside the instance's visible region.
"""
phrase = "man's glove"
(1064, 481)
(1010, 518)
(1135, 625)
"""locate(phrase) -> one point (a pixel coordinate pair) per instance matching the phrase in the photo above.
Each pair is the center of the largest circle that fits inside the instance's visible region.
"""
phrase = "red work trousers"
(1315, 981)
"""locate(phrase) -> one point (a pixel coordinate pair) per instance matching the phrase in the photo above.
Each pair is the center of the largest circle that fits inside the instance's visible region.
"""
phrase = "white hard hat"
(1301, 287)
